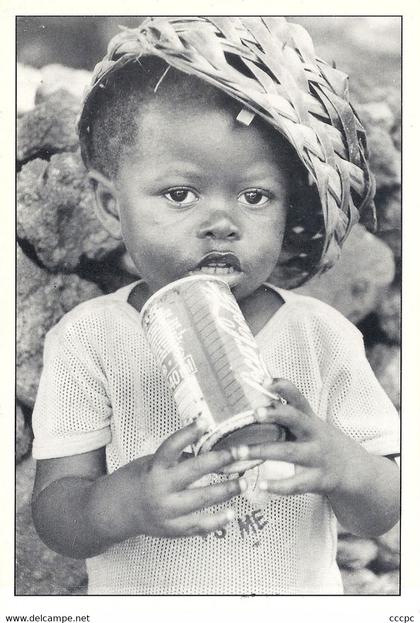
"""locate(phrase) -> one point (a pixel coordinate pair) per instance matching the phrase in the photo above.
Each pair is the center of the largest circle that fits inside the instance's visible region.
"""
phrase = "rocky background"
(64, 256)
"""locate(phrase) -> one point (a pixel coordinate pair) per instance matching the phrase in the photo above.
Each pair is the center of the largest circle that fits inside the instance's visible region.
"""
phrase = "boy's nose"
(219, 226)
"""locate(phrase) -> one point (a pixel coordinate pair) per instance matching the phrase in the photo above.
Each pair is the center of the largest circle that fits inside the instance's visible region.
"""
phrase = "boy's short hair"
(126, 94)
(266, 67)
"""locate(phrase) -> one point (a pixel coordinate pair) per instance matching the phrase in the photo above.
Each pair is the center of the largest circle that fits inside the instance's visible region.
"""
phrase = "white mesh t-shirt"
(100, 387)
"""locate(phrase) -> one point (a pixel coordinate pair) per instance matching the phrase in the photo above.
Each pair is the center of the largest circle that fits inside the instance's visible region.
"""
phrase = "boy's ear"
(107, 207)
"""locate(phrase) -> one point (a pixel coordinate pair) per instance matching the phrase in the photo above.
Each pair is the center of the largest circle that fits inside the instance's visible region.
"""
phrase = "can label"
(206, 353)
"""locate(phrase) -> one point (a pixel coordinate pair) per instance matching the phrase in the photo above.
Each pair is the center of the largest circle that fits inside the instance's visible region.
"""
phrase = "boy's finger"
(303, 482)
(198, 498)
(291, 394)
(170, 451)
(200, 524)
(298, 422)
(188, 471)
(299, 453)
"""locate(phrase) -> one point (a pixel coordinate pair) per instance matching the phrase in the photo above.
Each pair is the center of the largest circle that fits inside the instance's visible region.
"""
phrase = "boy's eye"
(254, 197)
(181, 196)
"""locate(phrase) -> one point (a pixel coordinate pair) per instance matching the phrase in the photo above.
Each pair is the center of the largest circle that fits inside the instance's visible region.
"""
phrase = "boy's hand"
(363, 489)
(323, 456)
(152, 494)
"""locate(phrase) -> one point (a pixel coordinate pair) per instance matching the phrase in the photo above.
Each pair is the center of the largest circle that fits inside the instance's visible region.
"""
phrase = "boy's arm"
(363, 489)
(367, 502)
(79, 510)
(60, 503)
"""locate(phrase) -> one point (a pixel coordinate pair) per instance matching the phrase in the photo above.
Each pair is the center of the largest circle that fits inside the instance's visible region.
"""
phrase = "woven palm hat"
(270, 67)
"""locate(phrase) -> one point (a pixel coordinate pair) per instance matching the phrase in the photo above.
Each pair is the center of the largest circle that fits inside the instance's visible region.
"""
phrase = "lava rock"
(385, 159)
(385, 362)
(389, 313)
(48, 128)
(388, 206)
(354, 552)
(341, 530)
(381, 122)
(56, 213)
(28, 80)
(23, 436)
(388, 583)
(36, 85)
(391, 539)
(42, 299)
(396, 137)
(391, 97)
(377, 113)
(389, 211)
(392, 239)
(39, 570)
(358, 582)
(56, 77)
(365, 582)
(355, 283)
(388, 557)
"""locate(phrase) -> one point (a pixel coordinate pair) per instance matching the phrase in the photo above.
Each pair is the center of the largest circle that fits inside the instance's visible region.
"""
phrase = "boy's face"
(201, 193)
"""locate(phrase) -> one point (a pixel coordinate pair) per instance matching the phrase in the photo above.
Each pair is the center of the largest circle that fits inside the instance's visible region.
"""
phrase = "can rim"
(233, 423)
(169, 286)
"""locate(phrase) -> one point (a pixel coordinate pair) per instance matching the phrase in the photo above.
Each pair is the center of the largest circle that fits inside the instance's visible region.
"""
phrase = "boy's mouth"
(218, 263)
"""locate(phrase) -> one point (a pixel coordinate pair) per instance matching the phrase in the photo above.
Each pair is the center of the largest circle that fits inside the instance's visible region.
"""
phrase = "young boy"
(215, 146)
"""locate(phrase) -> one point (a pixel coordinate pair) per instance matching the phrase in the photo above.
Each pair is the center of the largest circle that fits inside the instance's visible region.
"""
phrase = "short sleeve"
(357, 403)
(72, 410)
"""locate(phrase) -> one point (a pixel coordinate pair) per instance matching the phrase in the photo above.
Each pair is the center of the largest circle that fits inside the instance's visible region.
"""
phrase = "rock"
(56, 213)
(384, 158)
(40, 571)
(28, 80)
(393, 240)
(382, 120)
(354, 284)
(374, 30)
(57, 77)
(358, 582)
(391, 539)
(354, 552)
(385, 362)
(389, 313)
(377, 113)
(387, 560)
(388, 207)
(48, 128)
(389, 211)
(23, 436)
(388, 583)
(341, 530)
(365, 582)
(390, 96)
(388, 557)
(396, 137)
(42, 299)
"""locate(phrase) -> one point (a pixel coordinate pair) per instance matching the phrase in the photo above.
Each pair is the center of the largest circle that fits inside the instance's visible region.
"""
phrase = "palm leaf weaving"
(269, 65)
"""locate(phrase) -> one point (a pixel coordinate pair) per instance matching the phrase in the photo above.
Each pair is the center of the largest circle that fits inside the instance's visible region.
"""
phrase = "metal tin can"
(211, 361)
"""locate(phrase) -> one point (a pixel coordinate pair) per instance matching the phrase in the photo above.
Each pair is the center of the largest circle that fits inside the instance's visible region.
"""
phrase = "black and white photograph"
(208, 298)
